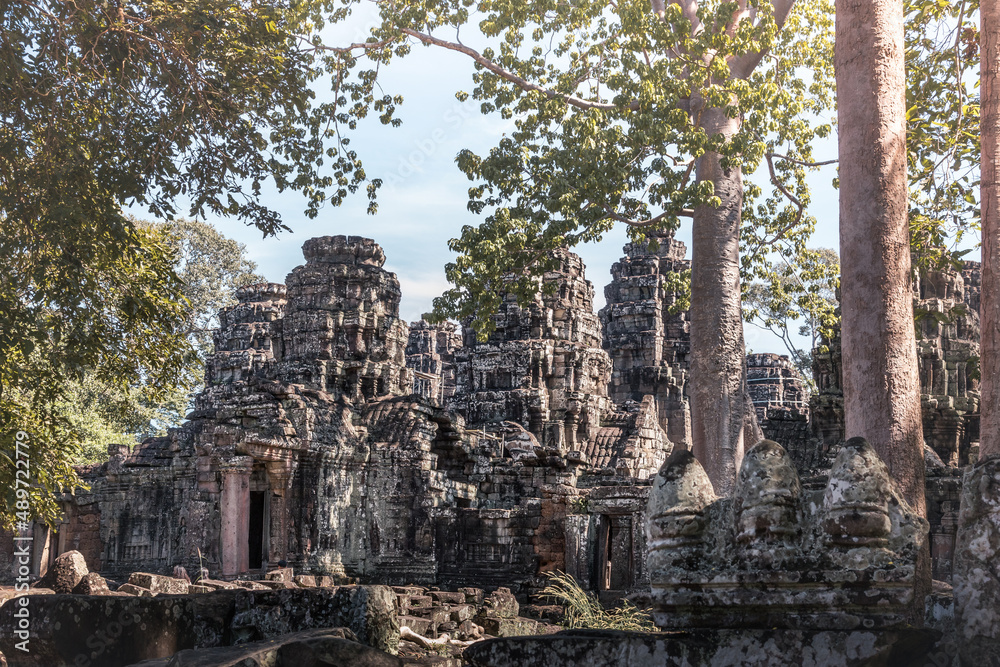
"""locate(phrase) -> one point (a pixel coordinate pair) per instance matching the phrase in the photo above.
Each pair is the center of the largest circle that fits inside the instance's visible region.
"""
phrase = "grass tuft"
(583, 610)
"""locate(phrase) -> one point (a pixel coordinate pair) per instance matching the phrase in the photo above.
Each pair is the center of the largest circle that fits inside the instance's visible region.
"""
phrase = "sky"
(423, 202)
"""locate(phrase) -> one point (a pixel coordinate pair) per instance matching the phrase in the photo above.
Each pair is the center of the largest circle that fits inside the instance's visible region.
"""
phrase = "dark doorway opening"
(613, 564)
(257, 527)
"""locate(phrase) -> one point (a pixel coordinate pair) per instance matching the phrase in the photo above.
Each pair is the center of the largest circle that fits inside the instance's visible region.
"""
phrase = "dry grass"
(584, 611)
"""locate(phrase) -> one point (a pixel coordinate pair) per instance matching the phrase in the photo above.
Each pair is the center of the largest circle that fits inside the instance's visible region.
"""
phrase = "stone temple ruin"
(336, 437)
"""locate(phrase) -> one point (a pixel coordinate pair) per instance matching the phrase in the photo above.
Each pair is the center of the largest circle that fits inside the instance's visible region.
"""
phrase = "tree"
(211, 267)
(942, 133)
(107, 105)
(624, 113)
(989, 443)
(803, 293)
(977, 541)
(880, 380)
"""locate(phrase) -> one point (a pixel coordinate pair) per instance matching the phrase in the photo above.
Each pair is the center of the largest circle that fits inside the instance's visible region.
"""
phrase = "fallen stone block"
(65, 573)
(281, 574)
(159, 583)
(501, 603)
(421, 602)
(462, 612)
(473, 596)
(408, 590)
(448, 597)
(92, 584)
(515, 627)
(305, 581)
(436, 615)
(138, 591)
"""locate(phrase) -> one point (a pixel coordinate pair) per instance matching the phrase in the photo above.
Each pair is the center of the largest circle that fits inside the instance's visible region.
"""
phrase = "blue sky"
(423, 203)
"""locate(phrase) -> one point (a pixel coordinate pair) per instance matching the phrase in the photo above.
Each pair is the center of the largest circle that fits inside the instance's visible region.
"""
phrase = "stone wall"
(431, 355)
(781, 401)
(335, 437)
(542, 367)
(332, 435)
(649, 345)
(948, 351)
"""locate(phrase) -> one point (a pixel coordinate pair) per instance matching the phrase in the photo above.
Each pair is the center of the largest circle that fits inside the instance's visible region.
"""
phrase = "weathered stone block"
(448, 597)
(977, 566)
(769, 558)
(65, 573)
(462, 612)
(281, 574)
(158, 583)
(605, 648)
(138, 591)
(305, 580)
(92, 584)
(501, 603)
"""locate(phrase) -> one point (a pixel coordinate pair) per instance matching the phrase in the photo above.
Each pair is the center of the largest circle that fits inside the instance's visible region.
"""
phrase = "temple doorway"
(258, 500)
(614, 561)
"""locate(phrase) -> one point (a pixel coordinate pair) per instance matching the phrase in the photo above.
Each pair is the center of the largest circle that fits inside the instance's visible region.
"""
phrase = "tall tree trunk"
(977, 542)
(989, 308)
(718, 356)
(881, 384)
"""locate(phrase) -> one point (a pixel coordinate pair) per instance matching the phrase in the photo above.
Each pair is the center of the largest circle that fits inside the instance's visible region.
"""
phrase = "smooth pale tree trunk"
(976, 578)
(881, 384)
(719, 404)
(989, 304)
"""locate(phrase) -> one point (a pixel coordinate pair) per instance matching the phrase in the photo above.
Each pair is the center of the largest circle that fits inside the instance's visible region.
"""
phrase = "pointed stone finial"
(856, 500)
(767, 495)
(681, 492)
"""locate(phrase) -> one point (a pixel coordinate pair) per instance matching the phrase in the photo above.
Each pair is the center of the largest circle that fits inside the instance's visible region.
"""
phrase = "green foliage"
(106, 106)
(805, 293)
(578, 505)
(210, 267)
(75, 300)
(942, 134)
(584, 611)
(607, 101)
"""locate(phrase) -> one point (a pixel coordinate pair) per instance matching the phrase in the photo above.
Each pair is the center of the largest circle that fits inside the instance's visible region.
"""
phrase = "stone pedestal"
(775, 556)
(977, 566)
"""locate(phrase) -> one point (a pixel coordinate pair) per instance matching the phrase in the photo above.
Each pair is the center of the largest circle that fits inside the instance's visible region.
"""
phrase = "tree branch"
(507, 75)
(802, 162)
(742, 66)
(684, 212)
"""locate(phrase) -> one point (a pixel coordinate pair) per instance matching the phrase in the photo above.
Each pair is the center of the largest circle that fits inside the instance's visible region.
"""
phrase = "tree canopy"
(210, 267)
(157, 105)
